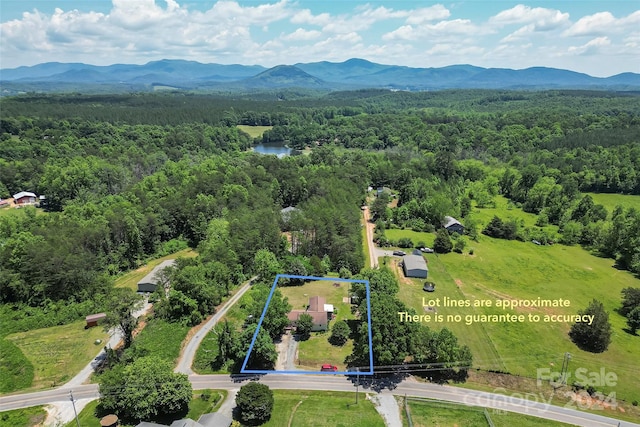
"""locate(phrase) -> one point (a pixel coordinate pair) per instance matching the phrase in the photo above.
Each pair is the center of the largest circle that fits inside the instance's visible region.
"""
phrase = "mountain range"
(325, 76)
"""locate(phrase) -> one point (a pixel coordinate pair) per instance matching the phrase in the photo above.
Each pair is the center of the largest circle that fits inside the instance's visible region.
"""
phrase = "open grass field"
(131, 279)
(610, 201)
(501, 269)
(26, 417)
(506, 211)
(253, 131)
(434, 413)
(317, 350)
(415, 236)
(298, 408)
(60, 352)
(161, 338)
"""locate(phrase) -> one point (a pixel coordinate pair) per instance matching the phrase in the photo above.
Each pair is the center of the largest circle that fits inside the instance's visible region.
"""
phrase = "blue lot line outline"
(244, 369)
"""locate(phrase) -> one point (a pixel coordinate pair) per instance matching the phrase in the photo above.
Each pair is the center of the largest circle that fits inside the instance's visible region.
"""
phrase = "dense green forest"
(128, 177)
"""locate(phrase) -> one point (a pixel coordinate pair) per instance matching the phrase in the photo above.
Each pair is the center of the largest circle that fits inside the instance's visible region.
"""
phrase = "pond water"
(277, 148)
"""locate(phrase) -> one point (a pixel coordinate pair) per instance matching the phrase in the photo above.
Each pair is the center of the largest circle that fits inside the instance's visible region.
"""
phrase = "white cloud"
(302, 34)
(427, 14)
(591, 47)
(603, 23)
(541, 18)
(443, 30)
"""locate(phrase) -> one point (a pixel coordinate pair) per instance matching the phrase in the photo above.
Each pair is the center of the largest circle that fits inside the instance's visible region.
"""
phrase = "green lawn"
(26, 417)
(322, 409)
(444, 414)
(415, 236)
(610, 201)
(60, 352)
(254, 131)
(131, 279)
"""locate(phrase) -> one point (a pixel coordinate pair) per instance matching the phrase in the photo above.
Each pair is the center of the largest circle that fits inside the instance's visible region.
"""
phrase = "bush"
(442, 244)
(405, 242)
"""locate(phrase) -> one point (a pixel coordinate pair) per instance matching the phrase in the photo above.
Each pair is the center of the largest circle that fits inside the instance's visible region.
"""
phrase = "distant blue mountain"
(351, 74)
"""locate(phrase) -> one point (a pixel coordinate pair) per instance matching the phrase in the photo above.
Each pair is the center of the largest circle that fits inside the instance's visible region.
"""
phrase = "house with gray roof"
(415, 266)
(452, 225)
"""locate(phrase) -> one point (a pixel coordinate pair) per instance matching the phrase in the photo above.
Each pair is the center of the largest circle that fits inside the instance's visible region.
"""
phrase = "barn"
(415, 266)
(452, 225)
(25, 198)
(150, 282)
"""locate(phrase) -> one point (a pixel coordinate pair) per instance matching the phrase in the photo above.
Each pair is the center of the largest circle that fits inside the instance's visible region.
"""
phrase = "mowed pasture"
(317, 350)
(322, 409)
(501, 269)
(254, 131)
(60, 352)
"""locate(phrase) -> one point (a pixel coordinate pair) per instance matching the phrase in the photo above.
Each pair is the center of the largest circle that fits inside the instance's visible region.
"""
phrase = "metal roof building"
(414, 266)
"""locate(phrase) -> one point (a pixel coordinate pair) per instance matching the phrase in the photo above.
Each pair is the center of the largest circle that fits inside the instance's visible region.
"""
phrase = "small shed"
(415, 266)
(93, 319)
(149, 283)
(452, 225)
(24, 198)
(110, 420)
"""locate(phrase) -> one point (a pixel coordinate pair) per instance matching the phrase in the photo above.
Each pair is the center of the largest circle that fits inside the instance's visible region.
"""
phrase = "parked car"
(429, 287)
(535, 242)
(426, 250)
(328, 368)
(399, 253)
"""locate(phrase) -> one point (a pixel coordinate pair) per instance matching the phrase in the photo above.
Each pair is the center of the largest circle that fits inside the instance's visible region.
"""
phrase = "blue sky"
(595, 37)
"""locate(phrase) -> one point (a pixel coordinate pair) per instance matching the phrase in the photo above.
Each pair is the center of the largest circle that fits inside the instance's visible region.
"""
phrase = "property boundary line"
(357, 371)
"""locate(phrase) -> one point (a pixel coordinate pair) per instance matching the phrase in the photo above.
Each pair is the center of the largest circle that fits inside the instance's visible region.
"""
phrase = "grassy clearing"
(610, 201)
(415, 236)
(506, 212)
(434, 413)
(322, 409)
(317, 349)
(26, 417)
(131, 279)
(161, 338)
(16, 371)
(517, 270)
(60, 352)
(502, 269)
(254, 131)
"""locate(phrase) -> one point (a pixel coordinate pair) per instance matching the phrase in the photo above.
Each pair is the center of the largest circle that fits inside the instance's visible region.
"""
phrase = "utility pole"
(565, 367)
(73, 402)
(357, 383)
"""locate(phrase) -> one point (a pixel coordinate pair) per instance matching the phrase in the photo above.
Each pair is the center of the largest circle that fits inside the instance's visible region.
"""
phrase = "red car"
(328, 368)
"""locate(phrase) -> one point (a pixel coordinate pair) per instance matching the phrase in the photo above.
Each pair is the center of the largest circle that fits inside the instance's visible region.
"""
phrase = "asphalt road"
(186, 359)
(407, 387)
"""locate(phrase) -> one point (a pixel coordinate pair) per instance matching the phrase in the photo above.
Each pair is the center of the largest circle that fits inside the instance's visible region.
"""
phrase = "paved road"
(186, 359)
(340, 383)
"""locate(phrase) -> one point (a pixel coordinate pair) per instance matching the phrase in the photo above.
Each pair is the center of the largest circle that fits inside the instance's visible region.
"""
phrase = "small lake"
(277, 148)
